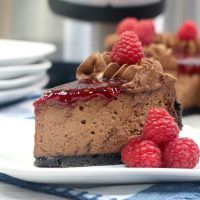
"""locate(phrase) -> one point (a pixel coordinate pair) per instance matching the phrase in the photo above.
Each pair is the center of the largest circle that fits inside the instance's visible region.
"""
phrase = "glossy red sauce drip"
(84, 90)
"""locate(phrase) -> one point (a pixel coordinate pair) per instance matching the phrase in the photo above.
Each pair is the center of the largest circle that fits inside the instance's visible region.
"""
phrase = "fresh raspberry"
(144, 154)
(188, 31)
(127, 24)
(160, 127)
(128, 49)
(130, 146)
(133, 142)
(145, 31)
(181, 153)
(158, 112)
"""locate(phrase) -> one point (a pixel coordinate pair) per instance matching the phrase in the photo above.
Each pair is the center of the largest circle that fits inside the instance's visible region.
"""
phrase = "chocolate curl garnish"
(114, 70)
(93, 67)
(130, 72)
(151, 63)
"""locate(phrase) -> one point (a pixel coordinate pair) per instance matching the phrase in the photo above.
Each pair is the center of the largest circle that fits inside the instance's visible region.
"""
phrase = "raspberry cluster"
(143, 28)
(160, 145)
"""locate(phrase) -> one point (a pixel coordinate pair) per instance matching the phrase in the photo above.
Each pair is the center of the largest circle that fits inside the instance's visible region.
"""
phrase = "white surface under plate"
(7, 96)
(22, 70)
(14, 52)
(21, 81)
(16, 159)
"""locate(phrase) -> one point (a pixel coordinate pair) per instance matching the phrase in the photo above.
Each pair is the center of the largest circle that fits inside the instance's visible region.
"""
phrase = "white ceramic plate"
(14, 52)
(21, 81)
(16, 94)
(16, 159)
(7, 72)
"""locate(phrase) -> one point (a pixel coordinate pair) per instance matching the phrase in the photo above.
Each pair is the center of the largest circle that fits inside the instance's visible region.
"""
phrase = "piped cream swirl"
(140, 76)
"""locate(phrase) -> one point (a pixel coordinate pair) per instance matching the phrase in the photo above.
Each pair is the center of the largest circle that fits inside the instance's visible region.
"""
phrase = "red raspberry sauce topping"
(84, 90)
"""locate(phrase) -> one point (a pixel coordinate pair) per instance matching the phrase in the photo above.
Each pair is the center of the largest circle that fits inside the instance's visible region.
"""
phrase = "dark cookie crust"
(78, 161)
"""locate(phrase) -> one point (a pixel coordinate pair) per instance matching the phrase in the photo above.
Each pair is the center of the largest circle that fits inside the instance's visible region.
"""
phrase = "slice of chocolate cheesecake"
(87, 122)
(186, 68)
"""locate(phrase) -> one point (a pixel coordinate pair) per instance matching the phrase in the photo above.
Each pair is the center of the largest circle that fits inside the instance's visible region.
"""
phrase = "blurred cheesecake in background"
(179, 54)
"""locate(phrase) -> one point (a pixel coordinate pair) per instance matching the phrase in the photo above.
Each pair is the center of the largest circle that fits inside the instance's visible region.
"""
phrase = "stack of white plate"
(23, 68)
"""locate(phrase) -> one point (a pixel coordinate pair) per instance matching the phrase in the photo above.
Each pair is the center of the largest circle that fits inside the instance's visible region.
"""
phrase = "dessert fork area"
(19, 179)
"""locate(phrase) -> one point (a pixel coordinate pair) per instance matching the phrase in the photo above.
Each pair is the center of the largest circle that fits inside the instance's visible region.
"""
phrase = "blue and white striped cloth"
(165, 191)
